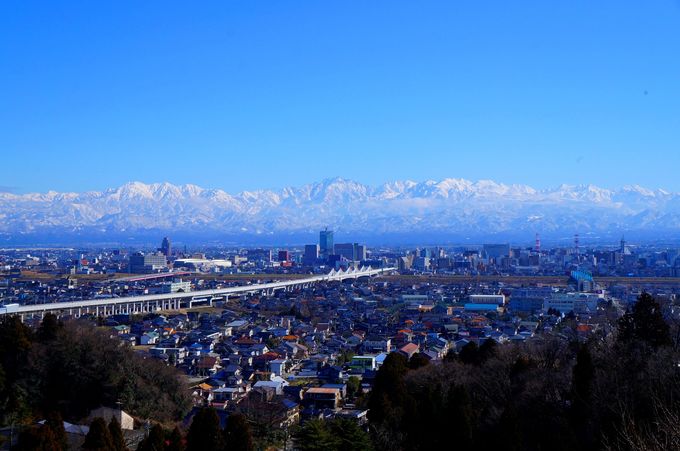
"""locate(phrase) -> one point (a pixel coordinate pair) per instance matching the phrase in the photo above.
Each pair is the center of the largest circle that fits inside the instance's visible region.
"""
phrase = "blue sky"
(262, 94)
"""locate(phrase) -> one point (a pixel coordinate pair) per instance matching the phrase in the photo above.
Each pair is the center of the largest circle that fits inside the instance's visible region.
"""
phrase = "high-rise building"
(361, 252)
(284, 256)
(311, 254)
(345, 250)
(351, 251)
(259, 255)
(166, 248)
(496, 251)
(421, 263)
(326, 247)
(141, 263)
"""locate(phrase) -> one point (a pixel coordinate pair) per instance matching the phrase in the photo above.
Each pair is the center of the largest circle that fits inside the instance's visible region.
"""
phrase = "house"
(125, 420)
(121, 329)
(409, 349)
(226, 394)
(322, 398)
(195, 349)
(129, 339)
(341, 387)
(361, 363)
(149, 338)
(275, 385)
(278, 366)
(377, 344)
(206, 364)
(331, 373)
(359, 416)
(431, 355)
(296, 350)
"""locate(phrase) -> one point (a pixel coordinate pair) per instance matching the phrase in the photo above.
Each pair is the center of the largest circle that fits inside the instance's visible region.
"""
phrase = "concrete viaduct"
(176, 301)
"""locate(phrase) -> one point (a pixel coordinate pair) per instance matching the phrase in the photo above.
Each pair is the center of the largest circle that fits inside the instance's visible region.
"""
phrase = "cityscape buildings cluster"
(310, 352)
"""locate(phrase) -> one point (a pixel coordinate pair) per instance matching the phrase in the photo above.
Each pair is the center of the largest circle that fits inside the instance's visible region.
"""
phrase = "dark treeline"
(74, 367)
(205, 433)
(618, 391)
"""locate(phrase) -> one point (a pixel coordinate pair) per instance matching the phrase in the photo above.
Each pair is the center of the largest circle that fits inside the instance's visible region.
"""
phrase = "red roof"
(207, 362)
(410, 348)
(267, 356)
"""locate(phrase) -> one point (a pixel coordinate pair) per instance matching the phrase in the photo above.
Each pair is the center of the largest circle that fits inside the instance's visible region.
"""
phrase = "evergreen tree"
(175, 441)
(155, 441)
(418, 360)
(204, 432)
(237, 434)
(98, 438)
(581, 388)
(389, 396)
(469, 355)
(348, 436)
(40, 438)
(450, 356)
(16, 340)
(487, 350)
(353, 386)
(117, 435)
(55, 422)
(646, 323)
(315, 436)
(49, 327)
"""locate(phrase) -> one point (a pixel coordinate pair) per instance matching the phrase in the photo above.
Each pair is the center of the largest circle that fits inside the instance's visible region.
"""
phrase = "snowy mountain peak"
(448, 206)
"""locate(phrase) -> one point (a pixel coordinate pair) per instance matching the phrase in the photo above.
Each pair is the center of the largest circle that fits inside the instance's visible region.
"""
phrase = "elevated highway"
(176, 301)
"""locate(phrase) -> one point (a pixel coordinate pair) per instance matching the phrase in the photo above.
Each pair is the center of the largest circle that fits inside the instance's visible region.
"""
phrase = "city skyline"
(239, 96)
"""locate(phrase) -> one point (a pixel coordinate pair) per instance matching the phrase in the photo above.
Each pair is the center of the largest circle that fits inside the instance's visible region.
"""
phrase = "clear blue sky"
(262, 94)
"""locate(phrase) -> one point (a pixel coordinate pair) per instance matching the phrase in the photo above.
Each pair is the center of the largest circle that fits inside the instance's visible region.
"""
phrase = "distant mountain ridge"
(450, 207)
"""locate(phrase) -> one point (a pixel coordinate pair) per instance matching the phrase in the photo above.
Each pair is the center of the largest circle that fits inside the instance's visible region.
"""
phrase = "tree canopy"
(74, 367)
(645, 323)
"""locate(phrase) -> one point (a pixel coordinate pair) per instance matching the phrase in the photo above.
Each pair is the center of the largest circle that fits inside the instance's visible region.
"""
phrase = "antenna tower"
(576, 243)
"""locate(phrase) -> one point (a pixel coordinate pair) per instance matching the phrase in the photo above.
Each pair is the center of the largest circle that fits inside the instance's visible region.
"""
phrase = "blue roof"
(582, 275)
(489, 307)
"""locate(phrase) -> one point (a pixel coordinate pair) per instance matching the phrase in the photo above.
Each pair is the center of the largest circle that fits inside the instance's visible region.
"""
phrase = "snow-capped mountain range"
(450, 207)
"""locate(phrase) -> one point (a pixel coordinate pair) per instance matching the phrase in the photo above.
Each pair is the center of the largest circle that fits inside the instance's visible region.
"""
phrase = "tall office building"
(361, 252)
(311, 254)
(141, 263)
(284, 256)
(166, 248)
(496, 251)
(326, 247)
(259, 255)
(346, 251)
(351, 251)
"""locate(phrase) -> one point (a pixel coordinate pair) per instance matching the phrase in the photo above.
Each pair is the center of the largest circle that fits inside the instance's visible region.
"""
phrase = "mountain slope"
(451, 207)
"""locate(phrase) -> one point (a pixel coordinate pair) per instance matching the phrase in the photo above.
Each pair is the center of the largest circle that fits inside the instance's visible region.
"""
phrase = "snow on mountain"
(452, 206)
